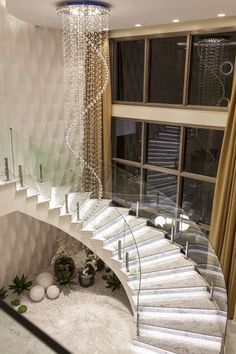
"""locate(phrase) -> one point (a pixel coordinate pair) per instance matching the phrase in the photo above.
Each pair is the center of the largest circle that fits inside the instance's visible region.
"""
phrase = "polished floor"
(230, 343)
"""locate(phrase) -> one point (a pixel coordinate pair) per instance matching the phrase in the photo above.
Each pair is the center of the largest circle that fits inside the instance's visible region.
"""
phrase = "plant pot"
(86, 280)
(100, 265)
(64, 265)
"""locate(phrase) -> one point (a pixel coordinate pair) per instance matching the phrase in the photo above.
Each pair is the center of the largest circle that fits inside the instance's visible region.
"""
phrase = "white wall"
(31, 102)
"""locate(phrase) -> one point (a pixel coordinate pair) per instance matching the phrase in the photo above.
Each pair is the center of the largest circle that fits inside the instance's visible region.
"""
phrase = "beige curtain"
(107, 106)
(223, 224)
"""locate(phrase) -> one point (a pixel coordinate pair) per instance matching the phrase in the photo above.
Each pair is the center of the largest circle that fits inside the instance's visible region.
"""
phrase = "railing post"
(186, 250)
(127, 261)
(137, 210)
(212, 291)
(20, 176)
(119, 250)
(78, 211)
(6, 169)
(66, 204)
(138, 323)
(40, 173)
(172, 235)
(12, 153)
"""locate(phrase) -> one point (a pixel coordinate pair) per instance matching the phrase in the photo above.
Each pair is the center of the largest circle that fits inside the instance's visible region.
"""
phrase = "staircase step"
(106, 218)
(172, 341)
(177, 299)
(182, 280)
(144, 348)
(174, 262)
(121, 228)
(143, 234)
(139, 242)
(92, 208)
(185, 321)
(155, 248)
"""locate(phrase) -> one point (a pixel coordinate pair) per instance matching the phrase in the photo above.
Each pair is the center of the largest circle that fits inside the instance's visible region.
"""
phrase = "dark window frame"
(189, 35)
(180, 173)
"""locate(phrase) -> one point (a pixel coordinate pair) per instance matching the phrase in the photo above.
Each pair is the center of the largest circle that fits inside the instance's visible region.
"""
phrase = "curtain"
(107, 107)
(223, 224)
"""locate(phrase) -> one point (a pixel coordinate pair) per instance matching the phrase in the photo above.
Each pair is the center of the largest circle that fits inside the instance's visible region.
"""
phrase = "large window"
(152, 161)
(166, 70)
(179, 70)
(128, 70)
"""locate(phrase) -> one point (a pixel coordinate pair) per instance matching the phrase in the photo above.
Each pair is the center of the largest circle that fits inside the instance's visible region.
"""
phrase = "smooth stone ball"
(45, 279)
(53, 292)
(37, 293)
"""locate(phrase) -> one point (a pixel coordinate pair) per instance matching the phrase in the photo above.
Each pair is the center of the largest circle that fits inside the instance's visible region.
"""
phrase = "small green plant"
(15, 302)
(112, 281)
(66, 280)
(19, 285)
(22, 309)
(3, 293)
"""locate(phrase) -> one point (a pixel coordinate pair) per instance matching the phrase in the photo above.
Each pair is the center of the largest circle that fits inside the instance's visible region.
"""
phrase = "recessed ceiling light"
(138, 25)
(221, 15)
(175, 20)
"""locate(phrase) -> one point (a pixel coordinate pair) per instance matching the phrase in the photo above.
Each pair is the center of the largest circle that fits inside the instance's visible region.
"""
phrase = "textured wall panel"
(26, 246)
(31, 102)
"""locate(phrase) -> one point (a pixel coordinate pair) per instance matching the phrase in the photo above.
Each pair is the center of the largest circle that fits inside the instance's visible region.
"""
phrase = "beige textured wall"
(26, 246)
(31, 102)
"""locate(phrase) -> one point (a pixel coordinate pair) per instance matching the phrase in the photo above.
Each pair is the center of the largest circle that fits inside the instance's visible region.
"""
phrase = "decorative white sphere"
(53, 292)
(45, 279)
(37, 293)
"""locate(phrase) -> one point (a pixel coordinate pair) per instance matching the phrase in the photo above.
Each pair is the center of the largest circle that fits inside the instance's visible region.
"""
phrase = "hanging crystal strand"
(83, 26)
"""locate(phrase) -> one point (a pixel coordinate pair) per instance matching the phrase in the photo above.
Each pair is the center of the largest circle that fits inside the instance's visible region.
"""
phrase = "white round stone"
(45, 279)
(37, 293)
(53, 292)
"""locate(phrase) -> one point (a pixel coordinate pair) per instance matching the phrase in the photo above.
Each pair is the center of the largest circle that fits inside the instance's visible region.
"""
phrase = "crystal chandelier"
(86, 76)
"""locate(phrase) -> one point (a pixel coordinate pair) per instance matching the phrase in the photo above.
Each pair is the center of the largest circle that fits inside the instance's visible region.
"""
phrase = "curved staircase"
(172, 300)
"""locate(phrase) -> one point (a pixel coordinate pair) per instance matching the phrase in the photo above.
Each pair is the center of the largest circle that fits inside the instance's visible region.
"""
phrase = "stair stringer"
(12, 200)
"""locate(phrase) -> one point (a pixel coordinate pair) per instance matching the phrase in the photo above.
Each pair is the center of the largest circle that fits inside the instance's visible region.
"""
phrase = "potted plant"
(64, 264)
(87, 275)
(112, 281)
(100, 263)
(65, 280)
(20, 285)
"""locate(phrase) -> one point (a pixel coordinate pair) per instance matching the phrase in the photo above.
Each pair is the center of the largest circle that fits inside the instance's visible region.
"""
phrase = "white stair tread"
(175, 261)
(189, 322)
(141, 235)
(178, 300)
(143, 348)
(180, 345)
(110, 214)
(158, 247)
(44, 189)
(121, 227)
(185, 280)
(91, 208)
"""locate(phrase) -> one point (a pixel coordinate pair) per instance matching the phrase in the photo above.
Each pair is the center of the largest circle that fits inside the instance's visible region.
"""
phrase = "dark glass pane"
(128, 71)
(126, 139)
(157, 182)
(163, 145)
(212, 68)
(202, 151)
(166, 73)
(125, 182)
(197, 199)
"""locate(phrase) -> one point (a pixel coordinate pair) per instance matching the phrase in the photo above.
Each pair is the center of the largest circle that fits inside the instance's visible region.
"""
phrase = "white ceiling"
(126, 13)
